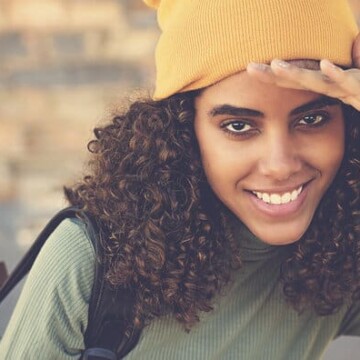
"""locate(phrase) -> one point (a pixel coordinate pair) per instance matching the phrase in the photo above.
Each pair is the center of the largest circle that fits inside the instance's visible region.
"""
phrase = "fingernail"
(281, 63)
(332, 65)
(259, 66)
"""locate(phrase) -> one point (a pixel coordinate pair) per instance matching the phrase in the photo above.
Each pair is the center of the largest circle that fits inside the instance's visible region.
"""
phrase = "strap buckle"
(98, 354)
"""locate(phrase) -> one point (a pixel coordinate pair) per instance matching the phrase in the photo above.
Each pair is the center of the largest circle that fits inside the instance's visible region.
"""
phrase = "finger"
(331, 80)
(356, 52)
(264, 73)
(348, 81)
(313, 80)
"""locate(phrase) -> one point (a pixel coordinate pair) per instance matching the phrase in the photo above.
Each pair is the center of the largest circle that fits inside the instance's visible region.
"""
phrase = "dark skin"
(330, 79)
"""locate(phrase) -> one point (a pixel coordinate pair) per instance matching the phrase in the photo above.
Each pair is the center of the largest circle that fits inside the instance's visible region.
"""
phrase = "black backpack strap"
(110, 323)
(108, 335)
(3, 273)
(27, 261)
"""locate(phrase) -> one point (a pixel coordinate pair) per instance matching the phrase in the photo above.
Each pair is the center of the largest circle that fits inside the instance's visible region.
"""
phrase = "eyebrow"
(226, 109)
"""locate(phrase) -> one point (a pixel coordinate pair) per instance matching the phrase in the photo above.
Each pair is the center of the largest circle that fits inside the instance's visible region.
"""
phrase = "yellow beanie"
(204, 41)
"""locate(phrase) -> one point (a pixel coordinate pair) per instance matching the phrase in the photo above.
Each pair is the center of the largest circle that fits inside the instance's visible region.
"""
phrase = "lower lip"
(281, 209)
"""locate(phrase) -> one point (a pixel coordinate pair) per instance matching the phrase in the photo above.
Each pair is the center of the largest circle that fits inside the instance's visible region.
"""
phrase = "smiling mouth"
(279, 198)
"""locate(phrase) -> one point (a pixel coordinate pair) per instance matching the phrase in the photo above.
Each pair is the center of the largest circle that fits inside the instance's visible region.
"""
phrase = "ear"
(356, 52)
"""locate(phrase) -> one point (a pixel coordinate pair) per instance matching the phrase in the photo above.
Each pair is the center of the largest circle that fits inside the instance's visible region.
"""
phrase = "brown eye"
(237, 126)
(313, 119)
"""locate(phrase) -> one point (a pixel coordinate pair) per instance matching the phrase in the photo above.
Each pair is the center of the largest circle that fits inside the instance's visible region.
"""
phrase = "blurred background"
(65, 66)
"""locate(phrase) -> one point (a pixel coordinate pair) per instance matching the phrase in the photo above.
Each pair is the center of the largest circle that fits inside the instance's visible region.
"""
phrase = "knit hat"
(204, 41)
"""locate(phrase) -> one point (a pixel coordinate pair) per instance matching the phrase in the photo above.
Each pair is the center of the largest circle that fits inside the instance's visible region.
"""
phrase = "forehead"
(242, 89)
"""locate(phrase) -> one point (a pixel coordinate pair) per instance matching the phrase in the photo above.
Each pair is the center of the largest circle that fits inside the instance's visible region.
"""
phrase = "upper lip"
(280, 190)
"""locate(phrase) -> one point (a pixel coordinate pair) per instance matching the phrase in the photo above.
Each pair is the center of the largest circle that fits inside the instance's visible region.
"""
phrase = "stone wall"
(62, 64)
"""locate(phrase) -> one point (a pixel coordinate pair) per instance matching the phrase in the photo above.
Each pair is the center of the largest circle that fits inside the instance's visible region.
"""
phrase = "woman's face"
(269, 153)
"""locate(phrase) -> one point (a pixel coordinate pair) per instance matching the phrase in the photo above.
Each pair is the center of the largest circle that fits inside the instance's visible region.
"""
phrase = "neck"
(251, 247)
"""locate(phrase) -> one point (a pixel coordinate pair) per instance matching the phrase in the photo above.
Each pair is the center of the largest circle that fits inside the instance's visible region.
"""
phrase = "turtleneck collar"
(251, 247)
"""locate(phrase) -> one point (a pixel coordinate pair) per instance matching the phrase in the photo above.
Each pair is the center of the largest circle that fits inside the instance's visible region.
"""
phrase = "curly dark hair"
(167, 235)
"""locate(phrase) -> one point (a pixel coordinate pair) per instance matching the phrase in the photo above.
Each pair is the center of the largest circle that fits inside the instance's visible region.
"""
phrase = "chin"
(279, 237)
(278, 241)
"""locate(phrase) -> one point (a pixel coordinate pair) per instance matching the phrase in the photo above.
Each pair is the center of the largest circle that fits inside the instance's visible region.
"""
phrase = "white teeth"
(277, 199)
(265, 197)
(285, 198)
(294, 195)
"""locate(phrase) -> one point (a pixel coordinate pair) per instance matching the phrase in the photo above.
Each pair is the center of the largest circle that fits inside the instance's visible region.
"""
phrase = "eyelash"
(325, 118)
(247, 133)
(243, 134)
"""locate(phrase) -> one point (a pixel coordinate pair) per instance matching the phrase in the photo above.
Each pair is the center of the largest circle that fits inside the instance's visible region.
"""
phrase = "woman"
(230, 203)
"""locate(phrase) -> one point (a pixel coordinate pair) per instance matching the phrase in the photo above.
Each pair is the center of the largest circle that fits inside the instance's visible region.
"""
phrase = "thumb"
(356, 52)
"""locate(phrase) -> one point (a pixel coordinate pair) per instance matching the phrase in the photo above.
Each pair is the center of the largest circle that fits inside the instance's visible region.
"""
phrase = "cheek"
(216, 163)
(332, 149)
(333, 158)
(217, 158)
(225, 165)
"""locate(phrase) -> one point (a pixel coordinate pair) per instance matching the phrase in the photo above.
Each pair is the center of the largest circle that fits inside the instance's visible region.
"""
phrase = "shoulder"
(65, 265)
(67, 242)
(67, 258)
(55, 297)
(350, 324)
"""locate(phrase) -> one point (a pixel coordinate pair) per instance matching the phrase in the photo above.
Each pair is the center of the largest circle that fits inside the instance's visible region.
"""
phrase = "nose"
(280, 157)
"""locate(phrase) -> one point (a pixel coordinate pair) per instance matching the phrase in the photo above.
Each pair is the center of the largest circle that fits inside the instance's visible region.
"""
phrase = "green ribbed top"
(250, 321)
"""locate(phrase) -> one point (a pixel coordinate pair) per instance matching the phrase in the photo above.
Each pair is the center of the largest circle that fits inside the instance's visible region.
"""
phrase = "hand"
(329, 80)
